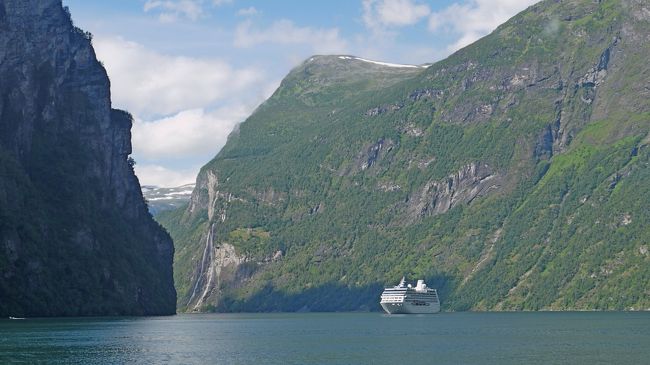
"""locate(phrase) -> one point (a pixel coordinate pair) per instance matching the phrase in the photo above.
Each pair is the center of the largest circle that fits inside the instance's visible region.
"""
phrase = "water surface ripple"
(333, 338)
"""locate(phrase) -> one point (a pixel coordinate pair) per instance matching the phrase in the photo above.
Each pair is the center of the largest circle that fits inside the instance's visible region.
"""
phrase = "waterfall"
(206, 260)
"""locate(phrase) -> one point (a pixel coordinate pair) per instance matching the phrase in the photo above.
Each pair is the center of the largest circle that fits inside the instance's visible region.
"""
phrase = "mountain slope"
(510, 175)
(75, 234)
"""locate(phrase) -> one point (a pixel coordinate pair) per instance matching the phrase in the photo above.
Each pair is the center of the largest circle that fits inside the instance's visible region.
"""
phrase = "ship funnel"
(421, 286)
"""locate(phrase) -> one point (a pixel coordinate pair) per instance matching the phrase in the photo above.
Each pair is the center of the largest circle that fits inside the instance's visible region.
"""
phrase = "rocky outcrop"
(374, 153)
(597, 74)
(78, 237)
(373, 112)
(546, 141)
(437, 197)
(426, 94)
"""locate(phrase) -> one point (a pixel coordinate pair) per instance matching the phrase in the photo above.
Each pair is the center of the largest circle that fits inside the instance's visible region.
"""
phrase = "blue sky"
(190, 70)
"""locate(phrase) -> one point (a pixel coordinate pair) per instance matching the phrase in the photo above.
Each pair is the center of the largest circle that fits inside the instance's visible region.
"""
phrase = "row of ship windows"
(409, 295)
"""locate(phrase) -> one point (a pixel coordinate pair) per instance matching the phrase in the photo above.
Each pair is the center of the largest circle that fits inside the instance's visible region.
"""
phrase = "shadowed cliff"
(75, 234)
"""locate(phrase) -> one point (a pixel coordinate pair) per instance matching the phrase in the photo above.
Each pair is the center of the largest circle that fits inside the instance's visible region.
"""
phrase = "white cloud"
(160, 176)
(475, 19)
(188, 134)
(190, 138)
(286, 32)
(172, 10)
(184, 108)
(250, 11)
(150, 84)
(378, 14)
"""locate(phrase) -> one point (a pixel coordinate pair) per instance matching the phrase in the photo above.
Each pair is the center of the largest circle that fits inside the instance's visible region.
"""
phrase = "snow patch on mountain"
(160, 199)
(387, 64)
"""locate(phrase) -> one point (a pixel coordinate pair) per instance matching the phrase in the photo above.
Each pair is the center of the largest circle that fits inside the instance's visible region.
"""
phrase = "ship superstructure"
(406, 299)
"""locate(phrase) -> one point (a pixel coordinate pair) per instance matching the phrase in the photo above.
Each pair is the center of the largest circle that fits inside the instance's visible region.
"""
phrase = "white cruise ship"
(406, 299)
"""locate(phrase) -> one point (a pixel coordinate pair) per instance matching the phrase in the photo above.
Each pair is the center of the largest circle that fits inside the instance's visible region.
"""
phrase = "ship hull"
(408, 308)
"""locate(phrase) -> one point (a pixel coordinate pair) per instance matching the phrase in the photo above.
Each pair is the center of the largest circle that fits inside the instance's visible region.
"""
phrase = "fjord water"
(333, 338)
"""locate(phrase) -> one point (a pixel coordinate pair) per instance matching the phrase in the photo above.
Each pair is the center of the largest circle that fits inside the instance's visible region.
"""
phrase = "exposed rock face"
(374, 153)
(597, 74)
(425, 94)
(217, 266)
(383, 109)
(437, 197)
(75, 234)
(546, 141)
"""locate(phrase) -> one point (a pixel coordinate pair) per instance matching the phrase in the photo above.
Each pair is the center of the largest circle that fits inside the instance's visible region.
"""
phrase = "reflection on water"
(333, 338)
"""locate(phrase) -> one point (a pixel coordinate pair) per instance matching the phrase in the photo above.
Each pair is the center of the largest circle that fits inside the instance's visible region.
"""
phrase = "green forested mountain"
(75, 234)
(512, 175)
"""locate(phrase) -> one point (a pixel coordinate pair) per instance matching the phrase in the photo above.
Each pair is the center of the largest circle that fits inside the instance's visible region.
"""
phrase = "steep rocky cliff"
(75, 234)
(512, 175)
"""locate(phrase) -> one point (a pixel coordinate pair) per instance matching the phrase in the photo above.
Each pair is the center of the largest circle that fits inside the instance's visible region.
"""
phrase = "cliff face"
(512, 175)
(75, 234)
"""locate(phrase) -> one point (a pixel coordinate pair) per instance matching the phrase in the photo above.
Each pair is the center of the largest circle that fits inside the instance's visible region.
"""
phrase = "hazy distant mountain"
(512, 175)
(75, 234)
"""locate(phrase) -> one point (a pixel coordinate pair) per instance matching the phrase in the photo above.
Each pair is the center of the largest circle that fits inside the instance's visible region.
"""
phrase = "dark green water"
(333, 338)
